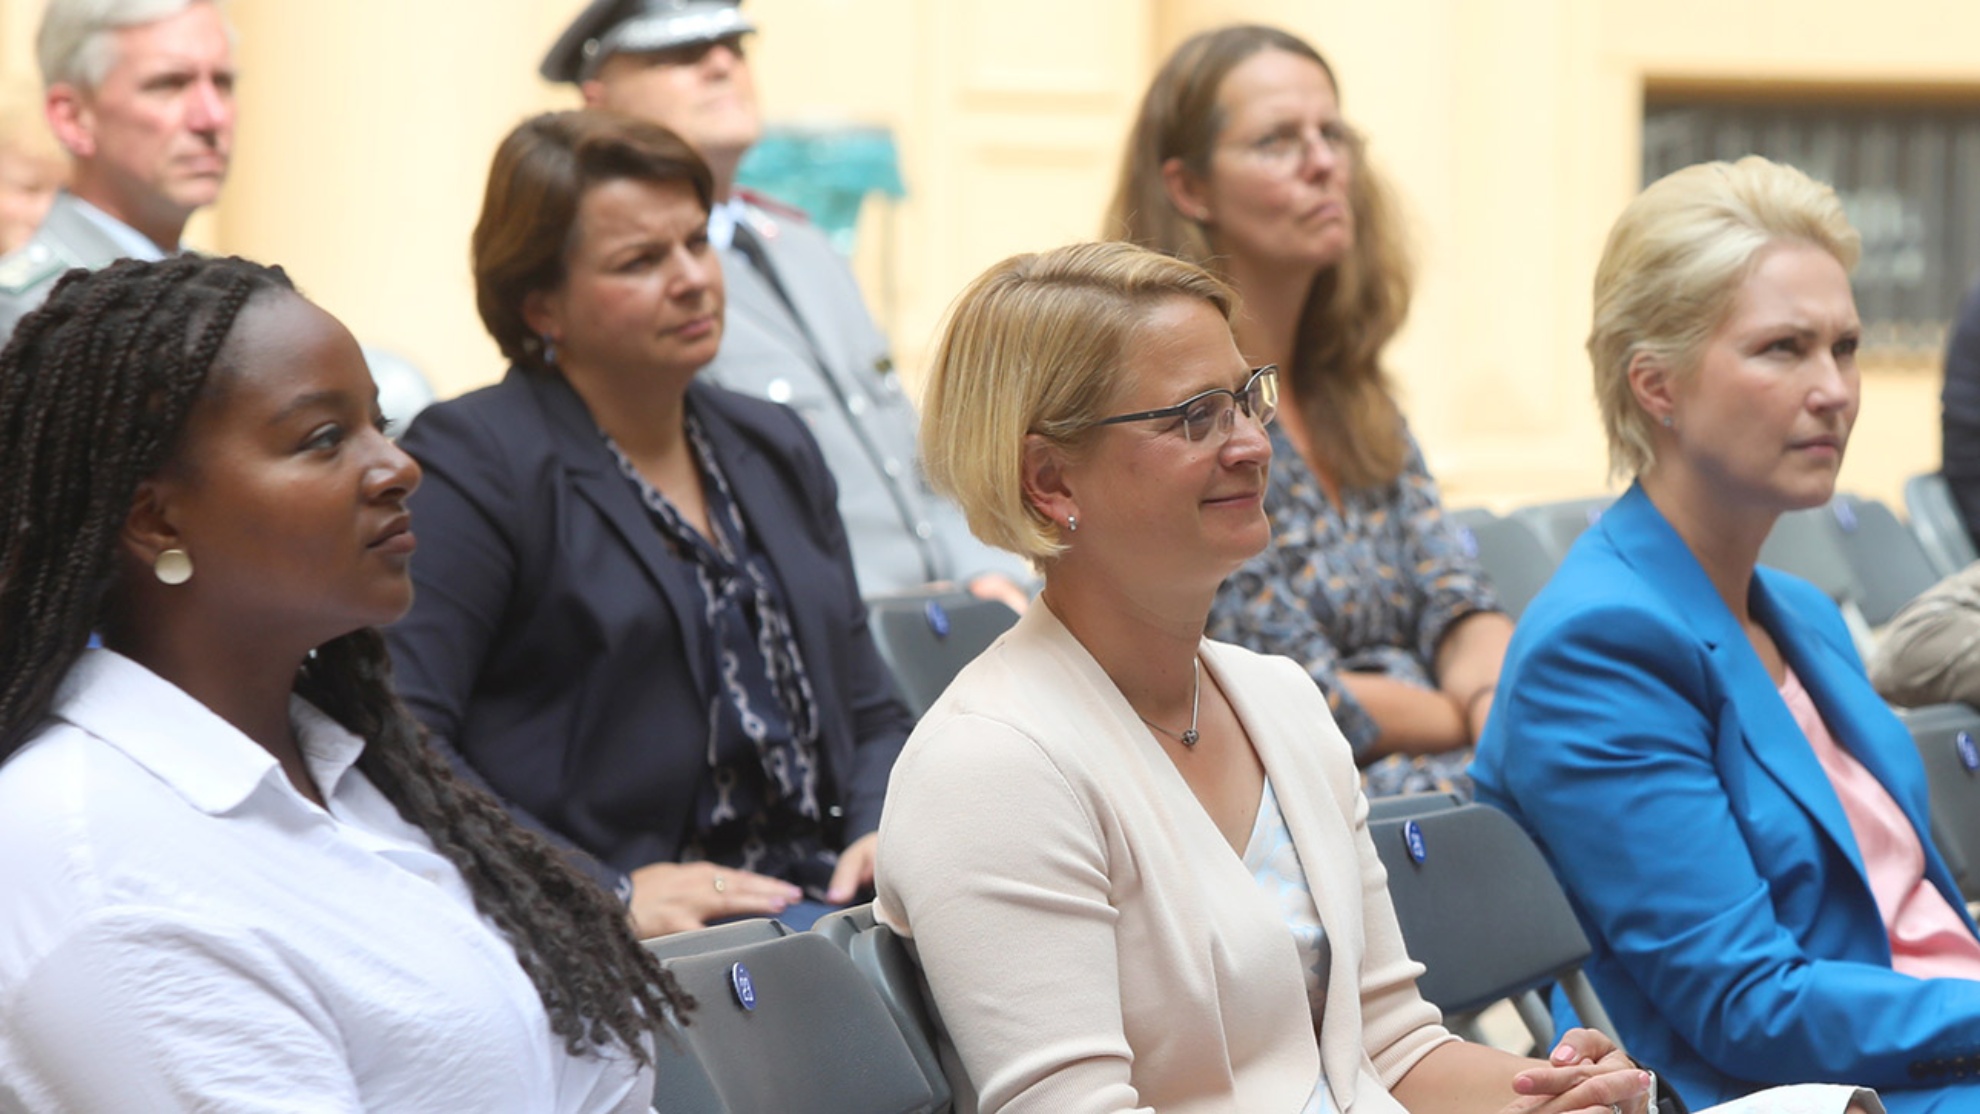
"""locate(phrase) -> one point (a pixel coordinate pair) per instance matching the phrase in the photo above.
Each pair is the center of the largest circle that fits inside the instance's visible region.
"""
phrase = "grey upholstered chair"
(1481, 910)
(786, 1023)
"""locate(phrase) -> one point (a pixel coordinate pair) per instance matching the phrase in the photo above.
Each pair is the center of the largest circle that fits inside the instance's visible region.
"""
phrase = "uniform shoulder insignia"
(774, 207)
(29, 266)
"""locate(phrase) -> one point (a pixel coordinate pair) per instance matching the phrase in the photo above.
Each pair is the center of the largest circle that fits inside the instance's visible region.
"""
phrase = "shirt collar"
(129, 240)
(723, 217)
(184, 744)
(329, 748)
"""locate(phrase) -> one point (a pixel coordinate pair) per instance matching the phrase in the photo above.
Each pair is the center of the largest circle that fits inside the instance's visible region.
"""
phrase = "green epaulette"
(29, 266)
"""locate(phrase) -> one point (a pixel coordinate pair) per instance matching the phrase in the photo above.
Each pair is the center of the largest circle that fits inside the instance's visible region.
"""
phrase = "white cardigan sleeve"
(1008, 899)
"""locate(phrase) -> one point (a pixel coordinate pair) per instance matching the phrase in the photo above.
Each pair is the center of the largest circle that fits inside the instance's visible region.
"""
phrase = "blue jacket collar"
(1650, 545)
(1830, 671)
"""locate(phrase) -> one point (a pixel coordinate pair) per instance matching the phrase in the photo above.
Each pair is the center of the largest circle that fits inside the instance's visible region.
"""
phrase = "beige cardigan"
(1091, 939)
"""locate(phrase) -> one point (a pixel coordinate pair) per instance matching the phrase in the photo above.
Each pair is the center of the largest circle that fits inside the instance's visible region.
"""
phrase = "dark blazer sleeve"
(865, 723)
(1615, 744)
(471, 514)
(551, 641)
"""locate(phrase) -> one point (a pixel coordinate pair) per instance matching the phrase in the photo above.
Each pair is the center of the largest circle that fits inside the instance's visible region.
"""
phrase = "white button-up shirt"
(179, 928)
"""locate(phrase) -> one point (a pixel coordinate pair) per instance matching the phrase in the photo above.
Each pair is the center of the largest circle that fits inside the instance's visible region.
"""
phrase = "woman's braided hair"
(95, 391)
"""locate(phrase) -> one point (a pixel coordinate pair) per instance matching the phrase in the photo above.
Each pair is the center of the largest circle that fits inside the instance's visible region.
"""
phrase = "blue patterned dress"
(1368, 587)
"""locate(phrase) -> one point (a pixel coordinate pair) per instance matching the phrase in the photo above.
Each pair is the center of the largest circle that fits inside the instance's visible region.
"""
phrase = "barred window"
(1908, 174)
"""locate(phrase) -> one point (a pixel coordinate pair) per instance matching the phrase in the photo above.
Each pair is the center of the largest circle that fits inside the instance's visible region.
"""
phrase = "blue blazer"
(545, 646)
(1640, 740)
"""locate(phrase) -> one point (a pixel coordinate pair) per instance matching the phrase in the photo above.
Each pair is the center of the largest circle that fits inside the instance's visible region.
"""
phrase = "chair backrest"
(1808, 543)
(785, 1024)
(927, 639)
(1936, 519)
(1512, 555)
(1558, 524)
(1886, 561)
(842, 926)
(1480, 909)
(885, 961)
(1405, 805)
(730, 935)
(1948, 739)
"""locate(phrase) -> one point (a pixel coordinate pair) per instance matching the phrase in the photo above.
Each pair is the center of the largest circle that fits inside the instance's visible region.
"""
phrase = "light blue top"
(1274, 863)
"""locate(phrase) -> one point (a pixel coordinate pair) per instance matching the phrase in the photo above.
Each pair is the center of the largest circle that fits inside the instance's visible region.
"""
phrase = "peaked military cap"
(608, 27)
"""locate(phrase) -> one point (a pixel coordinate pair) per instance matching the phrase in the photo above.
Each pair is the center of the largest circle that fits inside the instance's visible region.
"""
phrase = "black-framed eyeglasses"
(1216, 410)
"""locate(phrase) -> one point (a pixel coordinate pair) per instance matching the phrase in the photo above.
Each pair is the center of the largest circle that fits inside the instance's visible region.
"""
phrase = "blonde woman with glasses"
(1241, 162)
(1132, 860)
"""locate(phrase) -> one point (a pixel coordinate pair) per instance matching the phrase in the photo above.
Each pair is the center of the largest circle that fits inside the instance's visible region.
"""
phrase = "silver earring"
(1072, 524)
(549, 351)
(172, 566)
(1668, 421)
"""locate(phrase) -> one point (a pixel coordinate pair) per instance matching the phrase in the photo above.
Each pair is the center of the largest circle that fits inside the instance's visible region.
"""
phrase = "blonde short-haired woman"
(1134, 861)
(1691, 739)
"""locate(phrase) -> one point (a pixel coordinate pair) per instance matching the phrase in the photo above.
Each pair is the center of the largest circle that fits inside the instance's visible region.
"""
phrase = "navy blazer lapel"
(580, 448)
(1775, 742)
(758, 488)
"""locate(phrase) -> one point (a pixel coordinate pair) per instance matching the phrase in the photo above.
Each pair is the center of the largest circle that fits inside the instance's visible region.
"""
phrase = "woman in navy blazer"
(1740, 821)
(636, 618)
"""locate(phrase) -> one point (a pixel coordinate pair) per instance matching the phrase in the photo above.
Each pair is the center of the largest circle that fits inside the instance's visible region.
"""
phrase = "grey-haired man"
(141, 95)
(797, 331)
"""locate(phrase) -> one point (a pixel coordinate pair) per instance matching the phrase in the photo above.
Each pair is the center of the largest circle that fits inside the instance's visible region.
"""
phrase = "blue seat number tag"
(1412, 834)
(745, 989)
(938, 618)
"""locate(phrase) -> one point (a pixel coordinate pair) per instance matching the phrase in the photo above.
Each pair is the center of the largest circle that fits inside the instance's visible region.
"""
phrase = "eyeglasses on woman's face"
(1287, 149)
(1215, 411)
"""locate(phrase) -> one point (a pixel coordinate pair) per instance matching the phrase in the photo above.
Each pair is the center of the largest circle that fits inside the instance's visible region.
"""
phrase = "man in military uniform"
(797, 330)
(144, 105)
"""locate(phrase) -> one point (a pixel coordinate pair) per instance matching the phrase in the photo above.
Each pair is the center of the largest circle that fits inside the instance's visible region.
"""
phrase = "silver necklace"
(1187, 738)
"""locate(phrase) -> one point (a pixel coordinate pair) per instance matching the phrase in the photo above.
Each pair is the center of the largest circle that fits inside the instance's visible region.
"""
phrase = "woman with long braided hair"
(235, 875)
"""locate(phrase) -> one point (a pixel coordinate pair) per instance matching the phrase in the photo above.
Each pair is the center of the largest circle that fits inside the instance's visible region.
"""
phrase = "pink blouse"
(1929, 939)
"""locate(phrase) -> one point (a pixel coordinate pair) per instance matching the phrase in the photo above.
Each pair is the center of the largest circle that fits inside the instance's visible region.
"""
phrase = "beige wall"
(1511, 126)
(361, 157)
